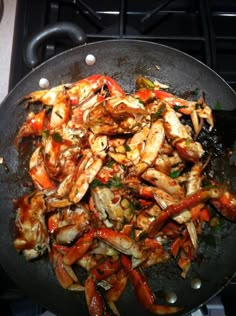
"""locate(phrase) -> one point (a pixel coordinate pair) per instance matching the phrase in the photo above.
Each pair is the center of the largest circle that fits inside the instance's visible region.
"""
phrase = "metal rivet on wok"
(43, 83)
(90, 60)
(196, 283)
(171, 297)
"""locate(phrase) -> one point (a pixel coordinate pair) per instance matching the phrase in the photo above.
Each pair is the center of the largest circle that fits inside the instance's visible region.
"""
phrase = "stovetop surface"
(204, 29)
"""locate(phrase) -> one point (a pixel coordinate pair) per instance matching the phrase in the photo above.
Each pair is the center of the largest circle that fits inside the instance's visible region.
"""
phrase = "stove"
(203, 29)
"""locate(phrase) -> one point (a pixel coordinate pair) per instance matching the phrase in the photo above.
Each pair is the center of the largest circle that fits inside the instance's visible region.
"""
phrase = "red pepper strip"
(145, 203)
(175, 246)
(100, 98)
(188, 249)
(171, 230)
(205, 215)
(200, 212)
(144, 95)
(53, 223)
(195, 212)
(160, 94)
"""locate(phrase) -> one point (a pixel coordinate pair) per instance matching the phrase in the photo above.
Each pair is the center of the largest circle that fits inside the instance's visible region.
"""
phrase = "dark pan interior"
(122, 60)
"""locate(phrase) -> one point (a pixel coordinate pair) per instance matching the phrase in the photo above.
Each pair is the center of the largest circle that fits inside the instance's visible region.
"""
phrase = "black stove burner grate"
(204, 29)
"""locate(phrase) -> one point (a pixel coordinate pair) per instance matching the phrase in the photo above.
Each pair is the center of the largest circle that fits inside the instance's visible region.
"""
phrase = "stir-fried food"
(114, 175)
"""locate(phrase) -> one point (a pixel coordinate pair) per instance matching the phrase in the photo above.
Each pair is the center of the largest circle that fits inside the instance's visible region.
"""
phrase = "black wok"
(122, 60)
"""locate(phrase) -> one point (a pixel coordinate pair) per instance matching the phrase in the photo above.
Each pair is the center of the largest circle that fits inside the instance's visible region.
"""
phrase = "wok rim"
(44, 63)
(207, 68)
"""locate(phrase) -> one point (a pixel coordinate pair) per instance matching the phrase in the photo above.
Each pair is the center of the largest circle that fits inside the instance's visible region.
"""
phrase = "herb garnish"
(110, 163)
(96, 183)
(218, 106)
(115, 182)
(57, 137)
(178, 107)
(175, 174)
(127, 148)
(45, 134)
(158, 113)
(143, 235)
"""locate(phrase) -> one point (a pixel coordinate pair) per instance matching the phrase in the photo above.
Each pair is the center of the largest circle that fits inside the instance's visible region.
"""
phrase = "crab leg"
(65, 275)
(146, 297)
(195, 109)
(118, 283)
(79, 248)
(94, 299)
(52, 151)
(189, 201)
(143, 291)
(102, 271)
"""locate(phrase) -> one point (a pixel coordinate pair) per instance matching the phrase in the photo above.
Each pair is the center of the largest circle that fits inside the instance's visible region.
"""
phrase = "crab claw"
(113, 87)
(32, 127)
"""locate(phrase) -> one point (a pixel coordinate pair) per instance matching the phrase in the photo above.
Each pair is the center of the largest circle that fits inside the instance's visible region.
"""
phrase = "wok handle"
(59, 29)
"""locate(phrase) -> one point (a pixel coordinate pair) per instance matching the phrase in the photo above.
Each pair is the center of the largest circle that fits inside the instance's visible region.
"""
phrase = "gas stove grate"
(204, 29)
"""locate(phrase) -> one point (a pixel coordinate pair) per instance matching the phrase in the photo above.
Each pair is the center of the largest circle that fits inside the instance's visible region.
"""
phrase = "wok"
(123, 60)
